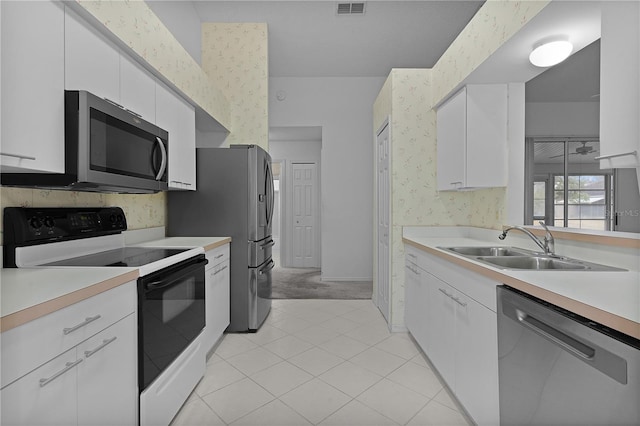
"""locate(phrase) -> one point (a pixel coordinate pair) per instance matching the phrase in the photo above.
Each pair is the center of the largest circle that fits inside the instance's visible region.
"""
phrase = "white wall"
(562, 119)
(343, 108)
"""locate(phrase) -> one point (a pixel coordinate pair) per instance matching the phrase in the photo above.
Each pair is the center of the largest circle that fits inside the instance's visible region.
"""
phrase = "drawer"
(217, 255)
(26, 347)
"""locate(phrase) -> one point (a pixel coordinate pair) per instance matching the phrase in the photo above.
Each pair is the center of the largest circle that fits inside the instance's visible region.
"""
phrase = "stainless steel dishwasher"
(558, 368)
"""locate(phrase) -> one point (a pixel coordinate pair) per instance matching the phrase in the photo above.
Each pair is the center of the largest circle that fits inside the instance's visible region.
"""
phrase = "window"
(565, 186)
(583, 204)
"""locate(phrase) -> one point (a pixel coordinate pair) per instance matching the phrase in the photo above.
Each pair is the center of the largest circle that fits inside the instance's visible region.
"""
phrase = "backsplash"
(142, 211)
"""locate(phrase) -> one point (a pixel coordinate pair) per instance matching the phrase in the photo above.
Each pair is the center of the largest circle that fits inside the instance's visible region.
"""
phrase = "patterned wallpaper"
(136, 24)
(415, 200)
(494, 23)
(142, 211)
(235, 56)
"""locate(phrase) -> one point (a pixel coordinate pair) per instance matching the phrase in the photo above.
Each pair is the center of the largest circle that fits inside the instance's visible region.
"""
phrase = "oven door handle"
(169, 281)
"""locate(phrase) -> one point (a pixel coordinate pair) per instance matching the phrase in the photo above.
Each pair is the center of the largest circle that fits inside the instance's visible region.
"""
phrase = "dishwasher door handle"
(556, 336)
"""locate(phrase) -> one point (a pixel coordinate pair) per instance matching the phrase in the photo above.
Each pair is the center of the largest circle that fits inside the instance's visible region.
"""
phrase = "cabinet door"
(486, 147)
(178, 118)
(107, 379)
(32, 41)
(92, 63)
(440, 327)
(46, 396)
(476, 360)
(221, 302)
(416, 303)
(451, 142)
(137, 89)
(620, 84)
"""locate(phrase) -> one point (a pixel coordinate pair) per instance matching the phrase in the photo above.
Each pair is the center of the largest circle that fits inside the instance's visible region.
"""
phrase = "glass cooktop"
(126, 256)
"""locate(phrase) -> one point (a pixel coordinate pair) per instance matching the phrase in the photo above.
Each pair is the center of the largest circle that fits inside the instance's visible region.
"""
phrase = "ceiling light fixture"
(550, 53)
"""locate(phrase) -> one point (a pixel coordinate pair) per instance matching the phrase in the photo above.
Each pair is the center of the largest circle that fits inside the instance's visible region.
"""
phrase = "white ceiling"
(308, 39)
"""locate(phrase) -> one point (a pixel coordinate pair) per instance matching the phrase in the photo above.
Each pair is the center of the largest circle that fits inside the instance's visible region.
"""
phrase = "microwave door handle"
(163, 151)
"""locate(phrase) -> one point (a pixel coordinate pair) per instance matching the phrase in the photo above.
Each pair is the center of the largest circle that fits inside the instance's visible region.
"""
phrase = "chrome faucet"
(548, 245)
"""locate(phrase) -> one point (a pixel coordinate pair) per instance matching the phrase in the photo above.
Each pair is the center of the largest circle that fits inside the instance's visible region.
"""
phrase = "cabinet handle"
(602, 157)
(105, 342)
(23, 157)
(445, 292)
(219, 256)
(68, 366)
(82, 324)
(456, 183)
(133, 112)
(114, 103)
(412, 255)
(220, 270)
(457, 300)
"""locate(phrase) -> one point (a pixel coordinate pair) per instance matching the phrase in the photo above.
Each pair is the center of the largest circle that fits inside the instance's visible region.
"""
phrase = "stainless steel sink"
(534, 263)
(489, 251)
(521, 259)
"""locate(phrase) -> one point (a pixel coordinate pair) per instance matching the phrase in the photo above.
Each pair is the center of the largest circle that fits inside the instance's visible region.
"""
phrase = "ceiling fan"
(581, 150)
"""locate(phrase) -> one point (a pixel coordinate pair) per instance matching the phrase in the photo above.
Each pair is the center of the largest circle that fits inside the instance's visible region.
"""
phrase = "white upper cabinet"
(177, 117)
(92, 62)
(137, 89)
(32, 75)
(472, 138)
(620, 85)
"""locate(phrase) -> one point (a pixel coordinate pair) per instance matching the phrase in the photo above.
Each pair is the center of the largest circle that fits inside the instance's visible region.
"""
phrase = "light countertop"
(611, 298)
(208, 243)
(30, 293)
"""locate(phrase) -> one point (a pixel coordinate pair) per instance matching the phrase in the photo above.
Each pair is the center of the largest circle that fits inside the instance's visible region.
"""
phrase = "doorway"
(296, 153)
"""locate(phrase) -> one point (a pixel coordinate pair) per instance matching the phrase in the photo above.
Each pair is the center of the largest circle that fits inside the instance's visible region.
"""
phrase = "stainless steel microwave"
(107, 149)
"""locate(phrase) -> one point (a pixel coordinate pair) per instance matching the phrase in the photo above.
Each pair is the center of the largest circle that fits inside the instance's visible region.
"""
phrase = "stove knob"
(49, 222)
(35, 222)
(112, 218)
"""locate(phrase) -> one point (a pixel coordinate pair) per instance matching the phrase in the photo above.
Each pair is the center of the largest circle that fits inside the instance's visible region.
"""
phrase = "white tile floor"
(319, 362)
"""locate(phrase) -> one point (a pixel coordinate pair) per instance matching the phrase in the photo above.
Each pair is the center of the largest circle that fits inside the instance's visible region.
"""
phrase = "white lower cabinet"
(92, 381)
(107, 377)
(456, 332)
(217, 295)
(32, 402)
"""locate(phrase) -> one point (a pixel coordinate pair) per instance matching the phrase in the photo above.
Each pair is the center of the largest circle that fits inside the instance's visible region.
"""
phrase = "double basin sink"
(521, 259)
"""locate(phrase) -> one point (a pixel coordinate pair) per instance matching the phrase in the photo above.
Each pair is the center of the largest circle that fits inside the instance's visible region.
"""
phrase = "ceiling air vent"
(350, 8)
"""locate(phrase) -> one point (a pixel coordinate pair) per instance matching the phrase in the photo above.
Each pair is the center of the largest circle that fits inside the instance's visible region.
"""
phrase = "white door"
(305, 208)
(383, 222)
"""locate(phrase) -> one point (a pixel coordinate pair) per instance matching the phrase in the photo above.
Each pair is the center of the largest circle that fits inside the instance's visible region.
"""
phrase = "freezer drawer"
(259, 294)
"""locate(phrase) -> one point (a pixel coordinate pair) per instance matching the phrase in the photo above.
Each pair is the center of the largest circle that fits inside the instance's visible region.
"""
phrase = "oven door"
(171, 314)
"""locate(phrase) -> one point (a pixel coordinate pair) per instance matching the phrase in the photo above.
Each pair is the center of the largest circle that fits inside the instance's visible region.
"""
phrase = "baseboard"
(399, 329)
(358, 279)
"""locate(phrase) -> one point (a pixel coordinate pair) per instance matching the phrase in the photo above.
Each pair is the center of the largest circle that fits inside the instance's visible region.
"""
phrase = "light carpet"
(302, 283)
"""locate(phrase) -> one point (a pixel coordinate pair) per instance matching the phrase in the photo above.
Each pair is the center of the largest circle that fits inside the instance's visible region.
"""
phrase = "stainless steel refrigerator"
(234, 197)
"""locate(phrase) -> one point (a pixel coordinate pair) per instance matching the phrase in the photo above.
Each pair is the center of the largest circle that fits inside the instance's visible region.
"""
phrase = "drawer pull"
(412, 255)
(445, 292)
(105, 342)
(68, 366)
(457, 300)
(82, 324)
(22, 157)
(219, 256)
(220, 270)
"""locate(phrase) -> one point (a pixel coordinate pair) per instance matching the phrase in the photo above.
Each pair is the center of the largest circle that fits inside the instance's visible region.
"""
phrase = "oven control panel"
(25, 226)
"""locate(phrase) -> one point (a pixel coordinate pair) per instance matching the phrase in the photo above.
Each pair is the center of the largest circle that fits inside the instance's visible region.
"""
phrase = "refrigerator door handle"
(268, 244)
(269, 266)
